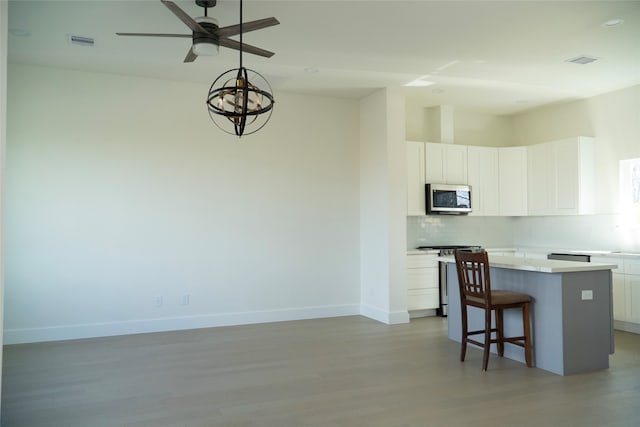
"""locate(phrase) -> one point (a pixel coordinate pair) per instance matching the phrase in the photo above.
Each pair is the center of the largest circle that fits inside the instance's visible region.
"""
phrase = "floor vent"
(81, 41)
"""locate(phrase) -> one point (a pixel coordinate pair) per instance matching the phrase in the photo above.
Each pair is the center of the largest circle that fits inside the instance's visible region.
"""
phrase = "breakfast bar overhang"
(571, 312)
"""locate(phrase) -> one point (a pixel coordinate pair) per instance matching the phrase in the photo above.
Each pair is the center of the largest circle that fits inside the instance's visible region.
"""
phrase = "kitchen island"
(572, 312)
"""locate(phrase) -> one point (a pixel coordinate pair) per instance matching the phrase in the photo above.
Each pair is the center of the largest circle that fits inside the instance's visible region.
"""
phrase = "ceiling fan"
(207, 37)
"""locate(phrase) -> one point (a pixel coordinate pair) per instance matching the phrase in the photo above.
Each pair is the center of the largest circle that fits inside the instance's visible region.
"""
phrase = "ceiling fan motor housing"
(206, 3)
(206, 44)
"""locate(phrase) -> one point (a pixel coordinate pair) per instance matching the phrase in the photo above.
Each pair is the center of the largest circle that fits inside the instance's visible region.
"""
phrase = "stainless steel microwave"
(448, 199)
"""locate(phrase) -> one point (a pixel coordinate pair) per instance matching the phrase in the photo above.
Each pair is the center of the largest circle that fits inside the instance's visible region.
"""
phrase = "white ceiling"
(498, 57)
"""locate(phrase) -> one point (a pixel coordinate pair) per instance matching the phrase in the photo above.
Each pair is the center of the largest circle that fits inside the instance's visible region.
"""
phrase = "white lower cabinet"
(619, 297)
(626, 288)
(632, 285)
(422, 281)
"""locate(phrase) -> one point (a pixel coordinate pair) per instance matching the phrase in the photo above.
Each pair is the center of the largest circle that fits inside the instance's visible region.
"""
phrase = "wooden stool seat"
(475, 291)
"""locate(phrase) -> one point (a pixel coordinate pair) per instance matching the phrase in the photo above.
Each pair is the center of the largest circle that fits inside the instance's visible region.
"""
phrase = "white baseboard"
(388, 317)
(93, 330)
(627, 326)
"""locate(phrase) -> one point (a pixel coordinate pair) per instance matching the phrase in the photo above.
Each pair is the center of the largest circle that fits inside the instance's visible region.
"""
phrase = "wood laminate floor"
(348, 371)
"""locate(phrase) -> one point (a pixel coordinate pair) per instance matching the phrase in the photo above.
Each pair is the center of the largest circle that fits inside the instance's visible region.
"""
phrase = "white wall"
(120, 190)
(473, 128)
(469, 127)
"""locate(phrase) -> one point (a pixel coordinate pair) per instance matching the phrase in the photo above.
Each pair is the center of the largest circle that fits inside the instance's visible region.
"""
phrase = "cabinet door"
(632, 283)
(455, 163)
(566, 156)
(434, 171)
(482, 175)
(422, 278)
(415, 178)
(619, 297)
(540, 179)
(512, 162)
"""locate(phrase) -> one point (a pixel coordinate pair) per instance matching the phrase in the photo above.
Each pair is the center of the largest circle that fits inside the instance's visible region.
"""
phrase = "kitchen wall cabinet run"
(561, 177)
(484, 178)
(422, 279)
(513, 180)
(554, 178)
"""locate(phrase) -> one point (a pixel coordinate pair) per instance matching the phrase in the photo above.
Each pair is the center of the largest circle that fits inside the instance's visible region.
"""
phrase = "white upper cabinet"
(415, 178)
(484, 178)
(561, 176)
(434, 165)
(445, 163)
(512, 162)
(539, 171)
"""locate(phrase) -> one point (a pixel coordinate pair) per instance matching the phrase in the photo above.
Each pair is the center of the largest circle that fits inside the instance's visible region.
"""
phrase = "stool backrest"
(473, 277)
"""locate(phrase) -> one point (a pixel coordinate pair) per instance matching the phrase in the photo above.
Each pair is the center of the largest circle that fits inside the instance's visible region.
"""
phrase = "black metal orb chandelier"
(240, 101)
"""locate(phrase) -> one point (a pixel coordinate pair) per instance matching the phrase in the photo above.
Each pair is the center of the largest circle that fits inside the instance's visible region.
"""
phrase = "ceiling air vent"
(81, 41)
(582, 60)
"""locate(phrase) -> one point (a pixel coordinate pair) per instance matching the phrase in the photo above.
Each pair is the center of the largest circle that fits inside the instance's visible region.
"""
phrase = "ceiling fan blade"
(232, 44)
(233, 30)
(155, 35)
(191, 56)
(182, 15)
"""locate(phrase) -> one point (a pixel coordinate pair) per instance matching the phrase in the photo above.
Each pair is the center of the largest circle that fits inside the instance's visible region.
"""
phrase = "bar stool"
(475, 291)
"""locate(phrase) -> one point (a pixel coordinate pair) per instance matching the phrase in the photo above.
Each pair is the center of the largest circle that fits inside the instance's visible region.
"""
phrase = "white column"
(383, 208)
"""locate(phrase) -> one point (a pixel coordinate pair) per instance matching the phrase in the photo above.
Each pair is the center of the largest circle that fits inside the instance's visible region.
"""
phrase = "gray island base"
(571, 312)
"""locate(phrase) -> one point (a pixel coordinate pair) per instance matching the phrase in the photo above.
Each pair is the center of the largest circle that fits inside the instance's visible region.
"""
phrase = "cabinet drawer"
(421, 299)
(422, 278)
(422, 261)
(632, 266)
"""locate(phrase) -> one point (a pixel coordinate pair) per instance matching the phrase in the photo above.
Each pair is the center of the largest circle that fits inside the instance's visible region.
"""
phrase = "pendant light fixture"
(240, 100)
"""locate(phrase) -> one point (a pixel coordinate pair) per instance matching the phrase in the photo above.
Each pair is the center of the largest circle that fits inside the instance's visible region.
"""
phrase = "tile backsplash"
(459, 230)
(581, 232)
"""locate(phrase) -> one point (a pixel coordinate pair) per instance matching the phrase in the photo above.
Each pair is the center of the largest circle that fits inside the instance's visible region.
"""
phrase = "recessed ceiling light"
(419, 82)
(311, 70)
(612, 22)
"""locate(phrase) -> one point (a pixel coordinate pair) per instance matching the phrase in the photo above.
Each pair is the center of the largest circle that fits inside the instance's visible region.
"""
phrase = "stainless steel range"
(444, 251)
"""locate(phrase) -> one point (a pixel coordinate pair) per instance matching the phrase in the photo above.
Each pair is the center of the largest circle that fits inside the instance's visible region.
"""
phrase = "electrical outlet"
(185, 299)
(587, 295)
(157, 301)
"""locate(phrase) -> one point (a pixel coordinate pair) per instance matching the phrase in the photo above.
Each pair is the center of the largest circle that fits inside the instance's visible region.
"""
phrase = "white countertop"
(422, 251)
(540, 265)
(594, 253)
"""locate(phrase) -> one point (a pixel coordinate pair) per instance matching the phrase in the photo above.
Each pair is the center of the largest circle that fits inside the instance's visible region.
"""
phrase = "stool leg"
(487, 338)
(526, 323)
(463, 349)
(499, 332)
